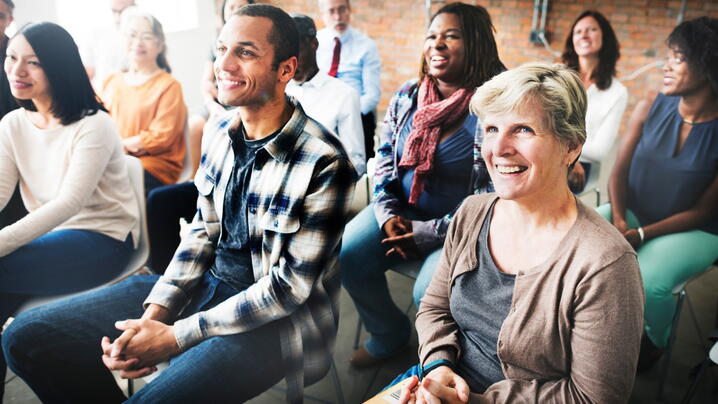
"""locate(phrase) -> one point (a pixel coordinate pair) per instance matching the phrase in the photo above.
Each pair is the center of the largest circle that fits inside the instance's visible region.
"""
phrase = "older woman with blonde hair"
(537, 298)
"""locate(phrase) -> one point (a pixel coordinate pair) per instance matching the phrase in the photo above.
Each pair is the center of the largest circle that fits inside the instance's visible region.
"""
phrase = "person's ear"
(574, 152)
(287, 69)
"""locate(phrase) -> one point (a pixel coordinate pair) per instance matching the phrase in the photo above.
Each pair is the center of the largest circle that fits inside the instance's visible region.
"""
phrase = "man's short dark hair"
(698, 41)
(9, 4)
(72, 95)
(283, 36)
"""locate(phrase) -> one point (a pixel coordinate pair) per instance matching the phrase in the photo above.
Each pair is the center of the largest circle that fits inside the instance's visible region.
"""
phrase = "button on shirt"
(359, 63)
(335, 105)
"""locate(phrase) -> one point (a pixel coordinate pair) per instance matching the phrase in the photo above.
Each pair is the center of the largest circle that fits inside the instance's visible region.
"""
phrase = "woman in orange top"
(146, 102)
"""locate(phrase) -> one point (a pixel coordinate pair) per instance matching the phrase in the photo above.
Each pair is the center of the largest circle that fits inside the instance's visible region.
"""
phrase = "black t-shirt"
(233, 260)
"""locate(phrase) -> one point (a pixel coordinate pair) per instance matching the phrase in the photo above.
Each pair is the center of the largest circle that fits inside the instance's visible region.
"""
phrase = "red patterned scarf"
(431, 116)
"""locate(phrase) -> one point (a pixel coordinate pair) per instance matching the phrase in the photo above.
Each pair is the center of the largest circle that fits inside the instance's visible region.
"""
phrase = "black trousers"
(165, 206)
(368, 122)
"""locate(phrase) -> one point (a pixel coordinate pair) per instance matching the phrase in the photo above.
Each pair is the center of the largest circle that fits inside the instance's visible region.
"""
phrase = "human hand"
(400, 238)
(408, 392)
(620, 224)
(153, 342)
(443, 385)
(156, 312)
(115, 360)
(633, 238)
(577, 178)
(133, 146)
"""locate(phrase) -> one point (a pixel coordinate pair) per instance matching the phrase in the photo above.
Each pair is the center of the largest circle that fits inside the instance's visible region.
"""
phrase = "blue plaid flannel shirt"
(299, 194)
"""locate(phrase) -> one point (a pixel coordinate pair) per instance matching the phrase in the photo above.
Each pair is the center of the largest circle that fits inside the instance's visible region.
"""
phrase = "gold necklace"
(687, 122)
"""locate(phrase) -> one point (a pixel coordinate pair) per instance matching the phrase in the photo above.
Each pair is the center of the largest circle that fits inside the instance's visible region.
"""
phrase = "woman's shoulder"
(168, 80)
(615, 91)
(408, 88)
(597, 240)
(14, 117)
(475, 205)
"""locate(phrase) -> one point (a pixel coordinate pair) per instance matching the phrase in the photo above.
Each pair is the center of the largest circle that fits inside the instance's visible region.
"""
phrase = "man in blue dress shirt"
(352, 57)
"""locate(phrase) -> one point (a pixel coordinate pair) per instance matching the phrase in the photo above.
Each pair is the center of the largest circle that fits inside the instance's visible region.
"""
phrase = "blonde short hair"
(553, 88)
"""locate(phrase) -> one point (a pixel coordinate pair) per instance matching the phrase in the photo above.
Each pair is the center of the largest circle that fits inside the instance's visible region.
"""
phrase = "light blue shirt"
(359, 63)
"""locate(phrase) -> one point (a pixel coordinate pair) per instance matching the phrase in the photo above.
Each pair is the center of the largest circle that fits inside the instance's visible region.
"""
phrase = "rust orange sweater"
(154, 110)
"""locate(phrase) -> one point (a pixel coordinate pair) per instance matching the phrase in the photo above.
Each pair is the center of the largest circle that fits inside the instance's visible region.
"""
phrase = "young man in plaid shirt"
(250, 296)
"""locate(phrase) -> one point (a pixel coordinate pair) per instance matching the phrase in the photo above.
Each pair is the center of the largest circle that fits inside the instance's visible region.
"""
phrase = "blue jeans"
(57, 263)
(56, 350)
(363, 264)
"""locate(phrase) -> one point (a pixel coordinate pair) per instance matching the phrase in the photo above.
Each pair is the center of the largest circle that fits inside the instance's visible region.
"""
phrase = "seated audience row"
(257, 275)
(256, 278)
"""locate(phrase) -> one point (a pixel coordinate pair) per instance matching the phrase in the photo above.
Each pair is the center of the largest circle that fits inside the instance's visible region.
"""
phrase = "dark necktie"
(335, 58)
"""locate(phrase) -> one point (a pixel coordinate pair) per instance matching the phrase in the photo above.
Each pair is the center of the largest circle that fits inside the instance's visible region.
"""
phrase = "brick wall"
(398, 27)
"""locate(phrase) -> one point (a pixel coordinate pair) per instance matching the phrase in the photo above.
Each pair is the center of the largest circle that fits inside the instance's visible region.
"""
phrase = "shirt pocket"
(279, 223)
(205, 204)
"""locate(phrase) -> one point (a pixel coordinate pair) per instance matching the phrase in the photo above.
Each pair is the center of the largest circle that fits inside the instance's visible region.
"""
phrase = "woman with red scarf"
(427, 163)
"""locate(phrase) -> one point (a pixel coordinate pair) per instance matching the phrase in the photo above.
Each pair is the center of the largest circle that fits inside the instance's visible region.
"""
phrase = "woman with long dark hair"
(664, 186)
(427, 163)
(147, 102)
(63, 150)
(592, 50)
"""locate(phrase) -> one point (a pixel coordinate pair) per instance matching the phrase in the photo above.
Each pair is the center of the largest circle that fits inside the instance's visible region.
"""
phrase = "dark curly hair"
(607, 56)
(482, 56)
(697, 40)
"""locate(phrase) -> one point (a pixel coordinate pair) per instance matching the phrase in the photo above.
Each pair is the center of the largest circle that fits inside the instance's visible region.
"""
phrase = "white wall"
(187, 50)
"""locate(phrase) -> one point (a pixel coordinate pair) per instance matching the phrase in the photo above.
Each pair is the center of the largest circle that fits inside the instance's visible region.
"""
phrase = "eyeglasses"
(142, 36)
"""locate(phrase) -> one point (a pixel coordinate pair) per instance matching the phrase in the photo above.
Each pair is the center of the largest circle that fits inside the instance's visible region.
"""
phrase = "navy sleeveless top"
(450, 181)
(662, 183)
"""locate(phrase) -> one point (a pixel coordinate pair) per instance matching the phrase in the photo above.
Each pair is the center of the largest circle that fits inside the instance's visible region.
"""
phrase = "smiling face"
(143, 45)
(335, 14)
(444, 52)
(587, 37)
(678, 77)
(24, 73)
(526, 161)
(243, 68)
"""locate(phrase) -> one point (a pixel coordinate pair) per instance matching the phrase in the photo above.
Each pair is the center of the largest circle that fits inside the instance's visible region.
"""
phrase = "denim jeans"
(56, 350)
(363, 264)
(57, 263)
(668, 261)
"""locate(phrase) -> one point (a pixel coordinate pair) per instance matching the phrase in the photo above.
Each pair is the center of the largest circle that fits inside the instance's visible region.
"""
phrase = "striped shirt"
(298, 199)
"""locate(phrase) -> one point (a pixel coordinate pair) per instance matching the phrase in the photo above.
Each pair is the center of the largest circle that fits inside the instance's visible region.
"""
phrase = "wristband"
(641, 234)
(433, 365)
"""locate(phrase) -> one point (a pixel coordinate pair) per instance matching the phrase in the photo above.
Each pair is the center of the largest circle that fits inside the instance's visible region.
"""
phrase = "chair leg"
(337, 383)
(671, 340)
(699, 332)
(358, 334)
(696, 381)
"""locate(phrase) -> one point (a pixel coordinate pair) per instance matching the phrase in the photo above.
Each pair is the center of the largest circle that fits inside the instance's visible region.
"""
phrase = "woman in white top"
(63, 150)
(592, 50)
